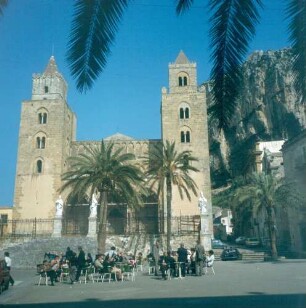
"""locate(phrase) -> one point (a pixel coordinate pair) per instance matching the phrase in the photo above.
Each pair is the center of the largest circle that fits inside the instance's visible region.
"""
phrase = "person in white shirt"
(8, 261)
(210, 258)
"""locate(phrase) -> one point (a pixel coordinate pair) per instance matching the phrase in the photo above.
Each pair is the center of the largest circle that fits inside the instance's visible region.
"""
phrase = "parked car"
(215, 244)
(252, 242)
(230, 254)
(4, 276)
(240, 240)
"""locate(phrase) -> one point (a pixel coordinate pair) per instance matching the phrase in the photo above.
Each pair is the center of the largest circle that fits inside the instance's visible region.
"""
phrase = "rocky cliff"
(268, 109)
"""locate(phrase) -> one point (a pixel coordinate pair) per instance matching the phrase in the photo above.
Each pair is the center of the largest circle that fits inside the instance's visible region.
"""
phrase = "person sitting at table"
(163, 265)
(110, 266)
(55, 266)
(49, 271)
(98, 264)
(171, 263)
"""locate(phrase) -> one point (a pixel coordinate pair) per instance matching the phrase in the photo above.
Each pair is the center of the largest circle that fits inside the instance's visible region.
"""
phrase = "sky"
(126, 98)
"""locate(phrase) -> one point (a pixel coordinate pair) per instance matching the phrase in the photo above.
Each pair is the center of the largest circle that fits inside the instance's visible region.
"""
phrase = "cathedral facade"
(47, 138)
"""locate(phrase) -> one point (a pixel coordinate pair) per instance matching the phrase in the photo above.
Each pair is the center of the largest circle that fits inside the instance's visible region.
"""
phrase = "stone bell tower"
(47, 128)
(184, 120)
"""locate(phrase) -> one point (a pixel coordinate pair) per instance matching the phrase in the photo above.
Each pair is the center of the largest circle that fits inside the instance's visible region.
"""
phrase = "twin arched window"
(182, 81)
(42, 118)
(185, 136)
(40, 142)
(184, 113)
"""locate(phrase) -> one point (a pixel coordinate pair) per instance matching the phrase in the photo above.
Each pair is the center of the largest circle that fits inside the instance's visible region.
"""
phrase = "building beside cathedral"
(47, 137)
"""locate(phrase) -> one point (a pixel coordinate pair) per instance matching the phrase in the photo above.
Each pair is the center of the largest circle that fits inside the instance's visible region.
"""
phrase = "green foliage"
(167, 167)
(111, 173)
(94, 26)
(3, 4)
(166, 163)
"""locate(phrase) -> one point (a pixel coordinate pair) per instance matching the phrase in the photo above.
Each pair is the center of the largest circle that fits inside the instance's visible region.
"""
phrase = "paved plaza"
(236, 284)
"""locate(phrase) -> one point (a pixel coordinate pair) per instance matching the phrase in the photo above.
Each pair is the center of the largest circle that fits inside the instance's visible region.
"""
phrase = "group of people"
(182, 261)
(53, 265)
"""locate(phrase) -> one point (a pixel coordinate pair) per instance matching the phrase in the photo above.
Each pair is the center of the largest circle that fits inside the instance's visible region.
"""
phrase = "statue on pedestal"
(59, 203)
(202, 204)
(93, 207)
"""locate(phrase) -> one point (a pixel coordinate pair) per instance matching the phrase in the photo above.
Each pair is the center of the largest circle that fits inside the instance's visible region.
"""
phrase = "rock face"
(268, 108)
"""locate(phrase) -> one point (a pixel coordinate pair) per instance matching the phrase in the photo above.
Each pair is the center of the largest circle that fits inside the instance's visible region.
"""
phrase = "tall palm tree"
(233, 24)
(111, 173)
(268, 193)
(167, 168)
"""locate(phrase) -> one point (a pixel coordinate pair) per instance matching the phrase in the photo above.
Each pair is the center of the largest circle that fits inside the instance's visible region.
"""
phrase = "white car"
(240, 240)
(252, 242)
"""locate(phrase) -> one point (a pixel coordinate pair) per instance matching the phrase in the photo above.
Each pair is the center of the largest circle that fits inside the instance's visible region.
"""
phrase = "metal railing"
(35, 228)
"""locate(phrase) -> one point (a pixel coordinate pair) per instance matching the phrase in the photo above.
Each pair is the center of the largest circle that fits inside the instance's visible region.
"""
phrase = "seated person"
(109, 266)
(171, 263)
(98, 264)
(49, 271)
(55, 266)
(210, 258)
(163, 265)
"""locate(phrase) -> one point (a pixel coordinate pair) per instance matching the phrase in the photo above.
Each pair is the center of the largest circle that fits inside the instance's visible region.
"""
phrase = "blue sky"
(126, 98)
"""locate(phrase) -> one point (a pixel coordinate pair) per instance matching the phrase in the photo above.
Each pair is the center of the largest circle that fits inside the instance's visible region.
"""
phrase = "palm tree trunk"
(272, 235)
(169, 212)
(102, 222)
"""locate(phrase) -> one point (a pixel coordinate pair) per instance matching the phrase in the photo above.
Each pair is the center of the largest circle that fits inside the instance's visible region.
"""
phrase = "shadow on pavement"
(251, 301)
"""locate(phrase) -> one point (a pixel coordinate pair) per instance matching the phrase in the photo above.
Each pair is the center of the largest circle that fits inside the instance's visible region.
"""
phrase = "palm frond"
(183, 5)
(296, 14)
(94, 26)
(232, 27)
(3, 4)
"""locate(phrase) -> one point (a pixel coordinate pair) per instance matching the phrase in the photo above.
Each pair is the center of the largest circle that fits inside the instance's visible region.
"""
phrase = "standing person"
(182, 255)
(199, 260)
(68, 254)
(81, 262)
(73, 263)
(156, 256)
(8, 261)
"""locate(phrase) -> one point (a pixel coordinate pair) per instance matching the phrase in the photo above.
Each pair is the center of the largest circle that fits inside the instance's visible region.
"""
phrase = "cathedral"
(47, 138)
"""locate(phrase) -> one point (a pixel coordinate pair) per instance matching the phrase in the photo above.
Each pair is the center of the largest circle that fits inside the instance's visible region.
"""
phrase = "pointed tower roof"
(181, 58)
(51, 68)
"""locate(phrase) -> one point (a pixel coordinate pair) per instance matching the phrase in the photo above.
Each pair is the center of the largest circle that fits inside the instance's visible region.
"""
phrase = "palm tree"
(233, 24)
(167, 167)
(111, 173)
(266, 192)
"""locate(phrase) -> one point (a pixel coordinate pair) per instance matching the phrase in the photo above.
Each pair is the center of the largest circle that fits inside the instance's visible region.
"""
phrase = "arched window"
(46, 89)
(186, 113)
(180, 80)
(185, 81)
(185, 136)
(39, 166)
(42, 118)
(40, 142)
(182, 114)
(182, 137)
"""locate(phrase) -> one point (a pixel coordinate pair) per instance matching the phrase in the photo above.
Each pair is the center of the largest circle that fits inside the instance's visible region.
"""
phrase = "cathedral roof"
(51, 68)
(118, 136)
(181, 58)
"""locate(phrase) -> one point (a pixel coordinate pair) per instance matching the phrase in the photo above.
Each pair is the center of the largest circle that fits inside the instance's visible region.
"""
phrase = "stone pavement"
(236, 284)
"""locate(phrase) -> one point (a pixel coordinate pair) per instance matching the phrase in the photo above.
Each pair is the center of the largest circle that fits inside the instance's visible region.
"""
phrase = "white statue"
(59, 203)
(93, 207)
(202, 204)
